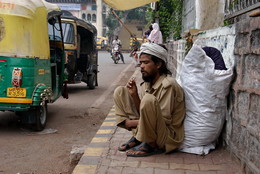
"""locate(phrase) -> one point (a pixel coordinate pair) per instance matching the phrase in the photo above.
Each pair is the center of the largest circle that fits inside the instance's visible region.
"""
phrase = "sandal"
(143, 147)
(129, 144)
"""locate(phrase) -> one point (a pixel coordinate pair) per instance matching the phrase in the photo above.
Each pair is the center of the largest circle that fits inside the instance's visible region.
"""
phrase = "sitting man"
(156, 118)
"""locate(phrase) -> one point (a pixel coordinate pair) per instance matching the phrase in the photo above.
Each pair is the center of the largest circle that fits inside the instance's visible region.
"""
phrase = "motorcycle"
(116, 54)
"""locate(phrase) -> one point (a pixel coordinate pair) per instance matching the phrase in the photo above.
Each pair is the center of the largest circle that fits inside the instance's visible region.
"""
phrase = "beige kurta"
(162, 112)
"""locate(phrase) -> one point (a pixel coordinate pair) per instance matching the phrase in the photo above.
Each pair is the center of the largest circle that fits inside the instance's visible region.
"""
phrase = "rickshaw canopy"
(81, 23)
(24, 28)
(127, 5)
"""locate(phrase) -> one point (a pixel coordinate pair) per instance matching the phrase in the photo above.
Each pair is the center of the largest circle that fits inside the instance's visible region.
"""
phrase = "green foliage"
(169, 13)
(149, 15)
(228, 22)
(137, 14)
(112, 22)
(134, 14)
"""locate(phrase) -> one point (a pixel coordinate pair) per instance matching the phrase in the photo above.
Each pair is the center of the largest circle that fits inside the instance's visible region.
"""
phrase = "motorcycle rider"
(115, 42)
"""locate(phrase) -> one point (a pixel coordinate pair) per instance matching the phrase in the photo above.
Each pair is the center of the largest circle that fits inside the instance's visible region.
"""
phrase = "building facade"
(198, 15)
(93, 11)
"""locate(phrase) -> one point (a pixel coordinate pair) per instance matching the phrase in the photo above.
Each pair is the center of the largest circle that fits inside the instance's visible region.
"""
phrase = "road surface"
(71, 123)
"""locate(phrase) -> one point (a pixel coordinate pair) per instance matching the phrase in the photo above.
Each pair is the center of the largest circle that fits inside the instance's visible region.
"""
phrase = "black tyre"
(40, 117)
(116, 59)
(92, 81)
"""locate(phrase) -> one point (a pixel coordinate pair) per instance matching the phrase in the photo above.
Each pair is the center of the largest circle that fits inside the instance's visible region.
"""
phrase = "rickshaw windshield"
(68, 33)
(54, 32)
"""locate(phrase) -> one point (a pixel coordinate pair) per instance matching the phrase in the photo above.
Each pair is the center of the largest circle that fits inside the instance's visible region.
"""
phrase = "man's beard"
(148, 77)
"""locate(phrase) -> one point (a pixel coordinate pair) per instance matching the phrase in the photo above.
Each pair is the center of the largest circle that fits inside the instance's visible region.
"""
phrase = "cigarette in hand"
(132, 79)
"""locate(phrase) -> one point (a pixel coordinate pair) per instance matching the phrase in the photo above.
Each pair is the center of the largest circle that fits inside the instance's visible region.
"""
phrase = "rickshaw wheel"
(40, 117)
(92, 81)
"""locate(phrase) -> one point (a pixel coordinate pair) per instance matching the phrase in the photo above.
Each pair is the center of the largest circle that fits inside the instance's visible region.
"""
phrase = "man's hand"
(132, 88)
(129, 124)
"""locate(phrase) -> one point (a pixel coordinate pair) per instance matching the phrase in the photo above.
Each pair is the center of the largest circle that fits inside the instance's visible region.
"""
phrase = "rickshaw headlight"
(69, 52)
(17, 77)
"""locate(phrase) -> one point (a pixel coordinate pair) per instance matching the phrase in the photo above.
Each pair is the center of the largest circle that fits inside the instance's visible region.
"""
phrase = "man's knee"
(119, 91)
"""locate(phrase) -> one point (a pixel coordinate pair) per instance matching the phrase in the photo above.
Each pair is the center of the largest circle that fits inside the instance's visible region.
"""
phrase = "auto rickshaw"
(102, 43)
(31, 59)
(81, 57)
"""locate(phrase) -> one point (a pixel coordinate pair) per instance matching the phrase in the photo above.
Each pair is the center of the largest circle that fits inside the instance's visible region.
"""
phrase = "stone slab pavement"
(102, 157)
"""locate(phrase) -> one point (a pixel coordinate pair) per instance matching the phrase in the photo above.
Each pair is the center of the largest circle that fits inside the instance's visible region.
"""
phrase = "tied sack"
(205, 91)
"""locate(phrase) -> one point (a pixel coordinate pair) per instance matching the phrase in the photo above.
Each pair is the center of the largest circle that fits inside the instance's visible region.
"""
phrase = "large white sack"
(205, 98)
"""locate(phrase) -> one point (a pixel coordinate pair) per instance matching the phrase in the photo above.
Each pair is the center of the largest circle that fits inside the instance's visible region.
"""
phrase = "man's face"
(149, 69)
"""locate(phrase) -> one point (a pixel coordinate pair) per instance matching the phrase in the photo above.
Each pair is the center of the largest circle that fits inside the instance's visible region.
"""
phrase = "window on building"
(83, 16)
(94, 17)
(89, 17)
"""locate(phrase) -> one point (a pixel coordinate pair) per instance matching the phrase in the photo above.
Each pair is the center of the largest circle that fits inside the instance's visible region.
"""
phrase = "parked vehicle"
(102, 43)
(31, 59)
(81, 61)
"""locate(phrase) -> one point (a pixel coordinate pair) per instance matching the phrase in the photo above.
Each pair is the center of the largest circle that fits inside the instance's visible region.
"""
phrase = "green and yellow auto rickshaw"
(31, 59)
(81, 56)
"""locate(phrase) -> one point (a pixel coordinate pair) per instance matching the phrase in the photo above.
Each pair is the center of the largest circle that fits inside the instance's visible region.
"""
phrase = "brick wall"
(242, 133)
(240, 47)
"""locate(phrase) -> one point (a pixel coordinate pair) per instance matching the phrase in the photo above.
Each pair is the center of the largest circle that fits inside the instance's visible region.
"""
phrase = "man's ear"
(158, 64)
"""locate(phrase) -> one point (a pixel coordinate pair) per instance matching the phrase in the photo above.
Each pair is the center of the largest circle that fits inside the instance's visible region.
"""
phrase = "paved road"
(71, 123)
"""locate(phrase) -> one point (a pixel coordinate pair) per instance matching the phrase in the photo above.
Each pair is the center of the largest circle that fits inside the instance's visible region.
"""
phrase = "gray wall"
(202, 14)
(242, 133)
(189, 15)
(240, 47)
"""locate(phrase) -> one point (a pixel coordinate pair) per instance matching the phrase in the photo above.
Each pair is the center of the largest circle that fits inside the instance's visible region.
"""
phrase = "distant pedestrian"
(148, 32)
(156, 34)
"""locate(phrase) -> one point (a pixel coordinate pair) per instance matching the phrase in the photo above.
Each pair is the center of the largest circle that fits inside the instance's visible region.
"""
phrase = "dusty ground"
(71, 123)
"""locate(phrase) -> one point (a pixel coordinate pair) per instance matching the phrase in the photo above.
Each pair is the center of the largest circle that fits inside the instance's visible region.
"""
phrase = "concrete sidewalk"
(102, 157)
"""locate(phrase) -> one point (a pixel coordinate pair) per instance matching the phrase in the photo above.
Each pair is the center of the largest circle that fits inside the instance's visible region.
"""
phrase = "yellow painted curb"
(85, 169)
(93, 151)
(96, 151)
